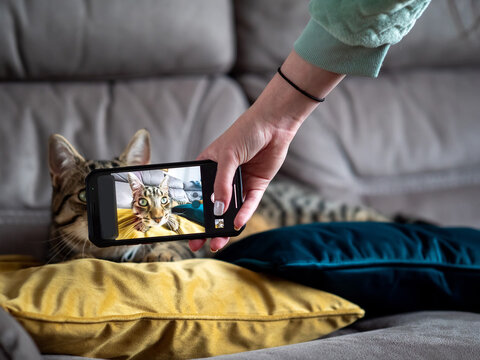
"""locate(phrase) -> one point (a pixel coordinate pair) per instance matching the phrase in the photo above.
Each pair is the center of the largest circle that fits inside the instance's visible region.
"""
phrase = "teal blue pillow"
(192, 212)
(385, 268)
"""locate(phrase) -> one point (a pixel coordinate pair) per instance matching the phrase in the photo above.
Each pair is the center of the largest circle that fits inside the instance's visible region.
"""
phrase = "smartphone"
(163, 202)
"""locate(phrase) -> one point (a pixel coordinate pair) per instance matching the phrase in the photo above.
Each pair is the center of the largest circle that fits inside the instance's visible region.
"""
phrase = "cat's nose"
(156, 214)
(157, 220)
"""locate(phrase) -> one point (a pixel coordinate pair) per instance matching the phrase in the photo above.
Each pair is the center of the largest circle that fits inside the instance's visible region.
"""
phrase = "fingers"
(218, 243)
(215, 243)
(222, 188)
(249, 206)
(203, 156)
(227, 165)
(196, 244)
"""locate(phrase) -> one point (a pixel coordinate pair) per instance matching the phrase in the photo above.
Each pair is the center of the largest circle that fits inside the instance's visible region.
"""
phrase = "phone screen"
(145, 202)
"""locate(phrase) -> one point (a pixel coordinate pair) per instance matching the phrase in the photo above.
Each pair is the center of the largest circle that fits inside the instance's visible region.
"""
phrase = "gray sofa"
(96, 72)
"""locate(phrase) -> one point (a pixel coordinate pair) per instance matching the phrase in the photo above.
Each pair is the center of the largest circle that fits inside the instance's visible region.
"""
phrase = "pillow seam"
(147, 316)
(383, 264)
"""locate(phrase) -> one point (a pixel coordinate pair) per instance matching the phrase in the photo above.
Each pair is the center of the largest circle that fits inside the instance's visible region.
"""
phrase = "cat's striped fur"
(287, 203)
(69, 232)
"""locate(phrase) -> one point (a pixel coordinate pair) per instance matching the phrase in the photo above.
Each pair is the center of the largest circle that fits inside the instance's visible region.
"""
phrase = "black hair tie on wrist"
(317, 99)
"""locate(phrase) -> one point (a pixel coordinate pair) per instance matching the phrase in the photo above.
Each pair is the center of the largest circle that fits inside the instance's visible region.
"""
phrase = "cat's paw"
(173, 224)
(163, 257)
(141, 227)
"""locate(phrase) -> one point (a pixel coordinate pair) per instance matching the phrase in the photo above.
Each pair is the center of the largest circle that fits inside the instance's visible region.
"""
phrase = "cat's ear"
(137, 151)
(135, 182)
(164, 184)
(62, 157)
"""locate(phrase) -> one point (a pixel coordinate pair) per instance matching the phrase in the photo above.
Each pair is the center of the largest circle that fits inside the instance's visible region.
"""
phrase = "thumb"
(222, 188)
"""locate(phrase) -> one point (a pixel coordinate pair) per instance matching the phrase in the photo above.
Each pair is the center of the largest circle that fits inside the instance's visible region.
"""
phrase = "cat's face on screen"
(68, 169)
(151, 204)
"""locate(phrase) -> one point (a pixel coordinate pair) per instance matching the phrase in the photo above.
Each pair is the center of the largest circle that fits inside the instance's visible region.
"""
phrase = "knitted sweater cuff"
(319, 48)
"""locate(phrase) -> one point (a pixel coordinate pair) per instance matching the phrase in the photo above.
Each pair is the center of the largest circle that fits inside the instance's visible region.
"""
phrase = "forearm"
(285, 106)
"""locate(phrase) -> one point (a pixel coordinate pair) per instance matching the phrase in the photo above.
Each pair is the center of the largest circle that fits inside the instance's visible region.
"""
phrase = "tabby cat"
(284, 203)
(152, 205)
(68, 231)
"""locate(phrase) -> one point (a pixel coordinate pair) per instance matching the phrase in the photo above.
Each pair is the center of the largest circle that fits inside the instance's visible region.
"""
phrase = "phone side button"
(235, 195)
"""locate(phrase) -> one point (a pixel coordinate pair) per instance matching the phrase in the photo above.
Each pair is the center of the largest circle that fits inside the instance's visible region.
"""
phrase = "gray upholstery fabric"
(400, 143)
(15, 343)
(114, 39)
(425, 335)
(446, 34)
(266, 31)
(24, 231)
(183, 115)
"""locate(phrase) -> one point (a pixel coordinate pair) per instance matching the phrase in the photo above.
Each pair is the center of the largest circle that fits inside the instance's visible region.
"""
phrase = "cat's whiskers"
(59, 244)
(58, 249)
(83, 248)
(71, 249)
(67, 241)
(130, 233)
(49, 240)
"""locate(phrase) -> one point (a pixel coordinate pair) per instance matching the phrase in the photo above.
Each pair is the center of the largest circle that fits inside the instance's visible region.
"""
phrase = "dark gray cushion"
(113, 39)
(423, 335)
(15, 343)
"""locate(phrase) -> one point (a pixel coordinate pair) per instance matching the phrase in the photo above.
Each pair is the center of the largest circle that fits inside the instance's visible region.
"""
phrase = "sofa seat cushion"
(439, 335)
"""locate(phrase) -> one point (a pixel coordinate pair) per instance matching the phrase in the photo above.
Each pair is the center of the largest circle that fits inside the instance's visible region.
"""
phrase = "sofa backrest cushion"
(112, 39)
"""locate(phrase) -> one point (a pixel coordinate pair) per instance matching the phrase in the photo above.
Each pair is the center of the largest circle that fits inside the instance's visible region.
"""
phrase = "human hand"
(259, 139)
(260, 147)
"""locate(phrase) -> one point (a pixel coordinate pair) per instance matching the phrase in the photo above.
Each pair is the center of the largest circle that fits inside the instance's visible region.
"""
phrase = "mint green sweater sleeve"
(353, 36)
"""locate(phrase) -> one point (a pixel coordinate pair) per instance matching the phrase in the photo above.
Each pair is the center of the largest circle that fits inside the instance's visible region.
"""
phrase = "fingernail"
(218, 208)
(214, 251)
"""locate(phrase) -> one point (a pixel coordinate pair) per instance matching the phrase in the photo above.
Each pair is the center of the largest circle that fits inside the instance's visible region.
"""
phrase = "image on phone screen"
(153, 203)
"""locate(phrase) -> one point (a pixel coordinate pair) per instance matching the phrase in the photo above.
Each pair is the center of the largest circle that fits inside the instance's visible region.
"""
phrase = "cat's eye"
(142, 202)
(164, 200)
(82, 196)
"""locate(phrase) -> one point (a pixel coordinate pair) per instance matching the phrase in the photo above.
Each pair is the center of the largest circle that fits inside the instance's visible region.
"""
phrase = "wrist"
(282, 104)
(310, 78)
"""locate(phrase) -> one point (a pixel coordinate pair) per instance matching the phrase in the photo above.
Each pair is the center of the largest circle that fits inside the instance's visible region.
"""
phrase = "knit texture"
(353, 36)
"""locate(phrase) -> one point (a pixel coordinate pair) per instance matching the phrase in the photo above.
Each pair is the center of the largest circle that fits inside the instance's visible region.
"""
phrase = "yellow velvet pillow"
(186, 309)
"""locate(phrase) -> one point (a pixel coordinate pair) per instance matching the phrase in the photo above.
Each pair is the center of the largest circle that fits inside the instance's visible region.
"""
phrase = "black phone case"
(94, 231)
